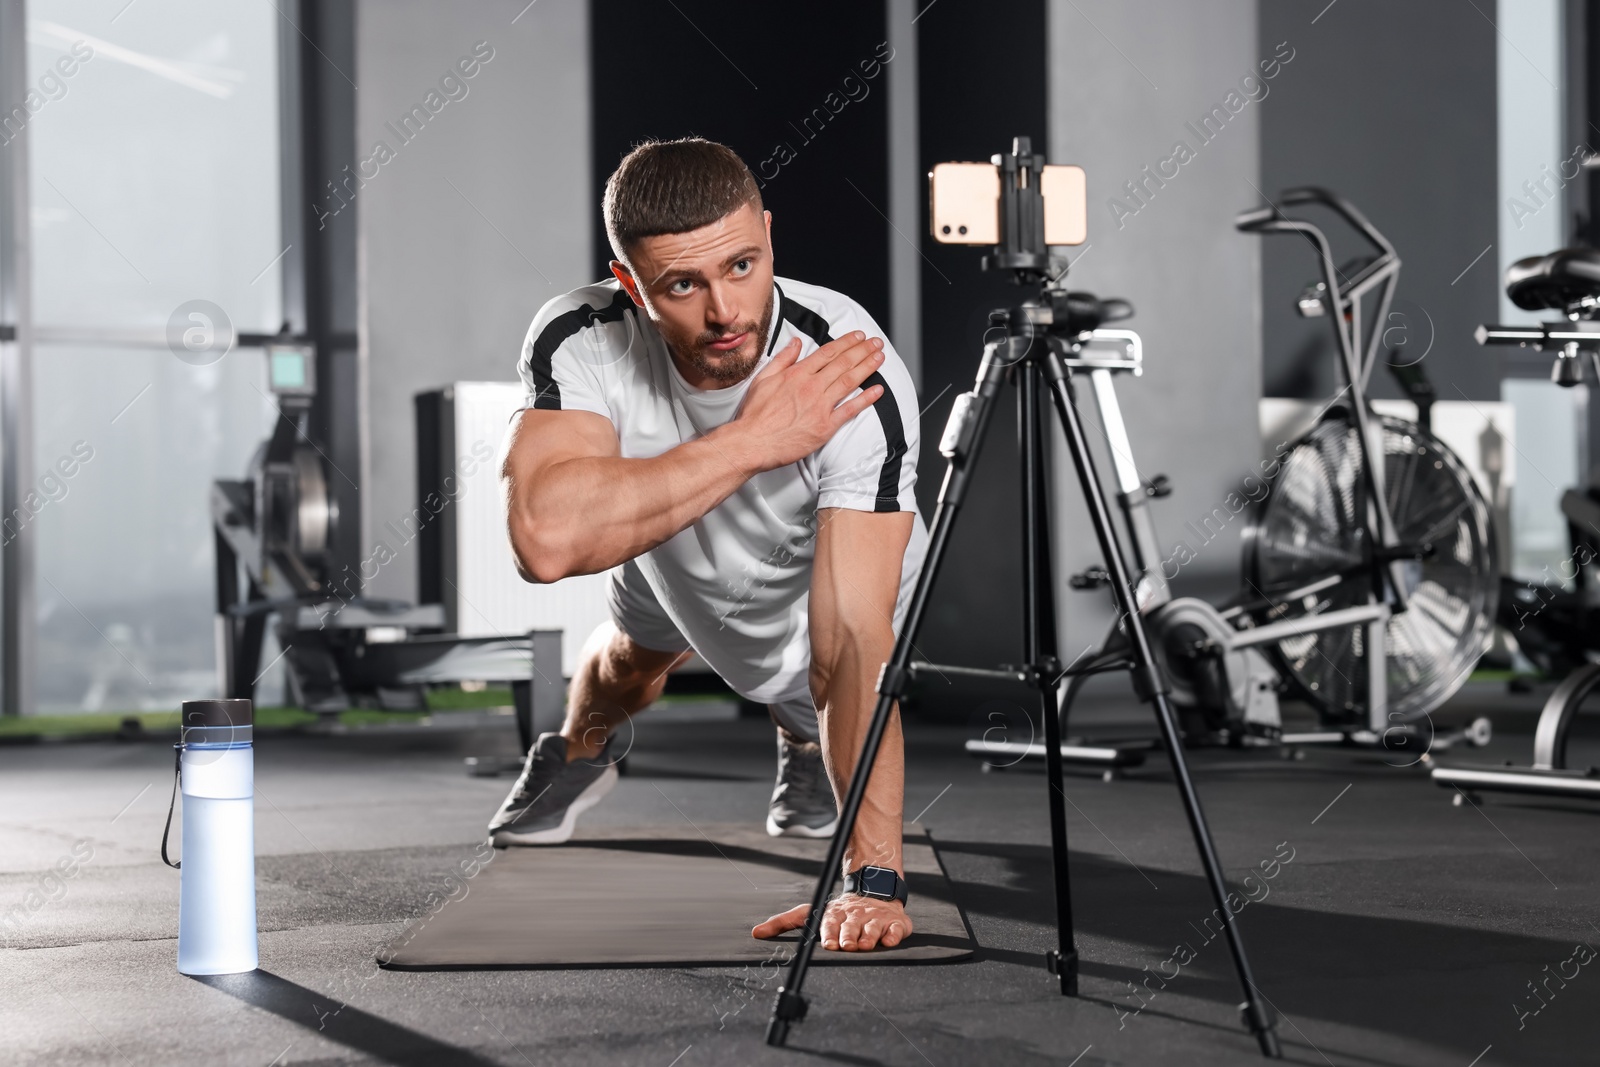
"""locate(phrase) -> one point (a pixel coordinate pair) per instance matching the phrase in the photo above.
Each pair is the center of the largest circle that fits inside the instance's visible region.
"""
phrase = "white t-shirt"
(737, 581)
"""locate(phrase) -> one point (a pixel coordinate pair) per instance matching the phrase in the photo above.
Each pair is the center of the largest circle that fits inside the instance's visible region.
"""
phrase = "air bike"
(1369, 584)
(1558, 629)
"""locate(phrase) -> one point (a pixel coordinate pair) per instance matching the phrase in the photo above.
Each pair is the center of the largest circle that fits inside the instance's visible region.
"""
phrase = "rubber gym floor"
(1399, 930)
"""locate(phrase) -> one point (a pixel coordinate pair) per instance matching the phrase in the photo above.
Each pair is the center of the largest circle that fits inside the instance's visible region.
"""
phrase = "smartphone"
(965, 204)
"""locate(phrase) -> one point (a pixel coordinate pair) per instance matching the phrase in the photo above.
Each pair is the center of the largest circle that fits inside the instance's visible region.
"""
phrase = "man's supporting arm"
(854, 584)
(576, 506)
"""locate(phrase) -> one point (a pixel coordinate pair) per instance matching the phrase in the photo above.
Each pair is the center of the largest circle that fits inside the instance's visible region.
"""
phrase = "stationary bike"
(1556, 628)
(1369, 588)
(1338, 527)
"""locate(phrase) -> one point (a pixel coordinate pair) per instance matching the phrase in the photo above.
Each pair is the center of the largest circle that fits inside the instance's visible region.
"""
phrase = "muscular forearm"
(854, 582)
(845, 693)
(585, 515)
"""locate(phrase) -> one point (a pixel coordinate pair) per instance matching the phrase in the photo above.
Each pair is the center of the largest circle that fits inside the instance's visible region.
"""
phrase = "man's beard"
(726, 368)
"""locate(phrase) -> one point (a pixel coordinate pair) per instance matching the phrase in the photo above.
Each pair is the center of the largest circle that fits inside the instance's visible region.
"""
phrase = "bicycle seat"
(1554, 280)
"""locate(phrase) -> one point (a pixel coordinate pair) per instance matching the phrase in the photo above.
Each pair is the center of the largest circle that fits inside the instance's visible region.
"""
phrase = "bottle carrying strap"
(177, 773)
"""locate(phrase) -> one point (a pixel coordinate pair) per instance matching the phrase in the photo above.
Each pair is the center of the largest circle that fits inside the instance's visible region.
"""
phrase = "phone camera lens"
(963, 229)
(946, 229)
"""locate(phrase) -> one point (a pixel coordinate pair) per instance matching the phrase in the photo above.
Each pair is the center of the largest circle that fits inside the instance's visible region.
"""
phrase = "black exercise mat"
(660, 896)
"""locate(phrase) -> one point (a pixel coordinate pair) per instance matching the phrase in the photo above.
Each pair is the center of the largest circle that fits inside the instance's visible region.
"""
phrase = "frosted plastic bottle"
(217, 890)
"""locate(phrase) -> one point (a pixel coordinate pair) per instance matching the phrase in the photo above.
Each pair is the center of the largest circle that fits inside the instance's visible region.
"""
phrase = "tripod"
(1043, 341)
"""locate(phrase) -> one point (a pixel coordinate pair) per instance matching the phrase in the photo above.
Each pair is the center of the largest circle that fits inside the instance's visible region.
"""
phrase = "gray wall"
(1125, 79)
(475, 222)
(1393, 106)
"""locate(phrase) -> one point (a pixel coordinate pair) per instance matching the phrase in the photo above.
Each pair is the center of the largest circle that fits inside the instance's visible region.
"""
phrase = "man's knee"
(614, 660)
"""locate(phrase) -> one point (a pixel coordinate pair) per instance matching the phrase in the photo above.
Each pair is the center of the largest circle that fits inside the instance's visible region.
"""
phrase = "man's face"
(709, 292)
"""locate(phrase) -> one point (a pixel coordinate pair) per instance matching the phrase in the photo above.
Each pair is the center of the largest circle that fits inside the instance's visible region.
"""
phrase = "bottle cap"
(232, 712)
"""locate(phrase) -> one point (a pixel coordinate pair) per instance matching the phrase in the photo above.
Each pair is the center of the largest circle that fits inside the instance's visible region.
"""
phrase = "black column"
(799, 93)
(982, 80)
(317, 87)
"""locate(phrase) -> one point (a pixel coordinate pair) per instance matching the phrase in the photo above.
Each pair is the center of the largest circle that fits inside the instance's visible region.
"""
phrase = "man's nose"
(721, 310)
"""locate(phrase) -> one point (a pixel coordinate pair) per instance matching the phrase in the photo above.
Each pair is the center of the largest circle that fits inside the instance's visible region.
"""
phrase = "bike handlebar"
(1313, 194)
(1271, 219)
(1539, 336)
(1256, 219)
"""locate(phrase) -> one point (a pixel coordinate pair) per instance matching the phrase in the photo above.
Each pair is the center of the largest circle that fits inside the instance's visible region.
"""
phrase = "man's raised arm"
(575, 506)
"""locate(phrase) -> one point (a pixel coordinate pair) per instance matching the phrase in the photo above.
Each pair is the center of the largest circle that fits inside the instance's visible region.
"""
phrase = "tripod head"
(1021, 250)
(1037, 206)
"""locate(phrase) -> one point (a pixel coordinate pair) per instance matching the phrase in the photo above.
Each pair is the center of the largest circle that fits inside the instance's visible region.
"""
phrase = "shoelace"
(800, 789)
(524, 795)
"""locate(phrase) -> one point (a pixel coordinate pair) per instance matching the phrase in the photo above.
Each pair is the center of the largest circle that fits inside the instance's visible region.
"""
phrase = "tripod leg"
(790, 1006)
(1039, 649)
(1151, 687)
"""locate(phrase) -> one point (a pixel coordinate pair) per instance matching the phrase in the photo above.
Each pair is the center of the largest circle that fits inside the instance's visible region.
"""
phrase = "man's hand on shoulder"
(793, 407)
(851, 922)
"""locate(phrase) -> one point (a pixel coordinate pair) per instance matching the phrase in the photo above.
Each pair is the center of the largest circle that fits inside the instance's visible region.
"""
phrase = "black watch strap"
(880, 883)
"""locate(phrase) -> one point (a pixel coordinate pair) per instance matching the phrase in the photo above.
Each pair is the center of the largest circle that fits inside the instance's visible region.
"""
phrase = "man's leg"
(623, 669)
(802, 803)
(615, 680)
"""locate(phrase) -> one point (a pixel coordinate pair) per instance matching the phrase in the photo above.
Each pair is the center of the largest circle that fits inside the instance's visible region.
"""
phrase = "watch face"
(878, 882)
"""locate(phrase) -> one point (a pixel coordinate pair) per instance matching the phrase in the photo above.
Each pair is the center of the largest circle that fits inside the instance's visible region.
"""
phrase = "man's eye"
(681, 286)
(744, 266)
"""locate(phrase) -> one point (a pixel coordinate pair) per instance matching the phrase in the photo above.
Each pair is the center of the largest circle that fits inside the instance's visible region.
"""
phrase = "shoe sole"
(774, 830)
(561, 832)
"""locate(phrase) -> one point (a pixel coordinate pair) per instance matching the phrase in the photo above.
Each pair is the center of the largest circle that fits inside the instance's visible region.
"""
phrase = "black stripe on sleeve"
(815, 327)
(547, 394)
(894, 440)
(804, 319)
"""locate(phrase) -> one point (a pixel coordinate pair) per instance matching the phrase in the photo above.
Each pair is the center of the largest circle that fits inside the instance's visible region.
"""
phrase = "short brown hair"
(673, 187)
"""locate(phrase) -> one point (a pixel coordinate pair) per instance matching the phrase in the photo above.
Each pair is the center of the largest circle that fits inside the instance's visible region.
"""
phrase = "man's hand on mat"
(852, 923)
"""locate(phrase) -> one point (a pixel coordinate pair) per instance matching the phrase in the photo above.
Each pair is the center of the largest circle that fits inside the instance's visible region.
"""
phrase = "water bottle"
(217, 885)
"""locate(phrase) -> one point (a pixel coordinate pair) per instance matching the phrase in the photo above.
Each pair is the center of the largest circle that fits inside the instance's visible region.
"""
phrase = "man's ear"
(626, 279)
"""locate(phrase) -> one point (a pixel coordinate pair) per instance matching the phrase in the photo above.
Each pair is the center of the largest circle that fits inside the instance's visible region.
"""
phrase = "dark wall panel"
(1392, 105)
(788, 93)
(749, 75)
(970, 109)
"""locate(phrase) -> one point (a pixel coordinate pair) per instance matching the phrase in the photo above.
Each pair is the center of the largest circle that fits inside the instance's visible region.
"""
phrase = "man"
(739, 451)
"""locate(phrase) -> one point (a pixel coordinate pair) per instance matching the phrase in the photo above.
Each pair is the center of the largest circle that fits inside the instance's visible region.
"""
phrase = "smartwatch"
(880, 883)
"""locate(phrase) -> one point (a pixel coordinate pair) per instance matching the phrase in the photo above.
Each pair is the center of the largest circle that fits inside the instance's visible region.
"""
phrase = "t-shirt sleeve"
(871, 463)
(567, 351)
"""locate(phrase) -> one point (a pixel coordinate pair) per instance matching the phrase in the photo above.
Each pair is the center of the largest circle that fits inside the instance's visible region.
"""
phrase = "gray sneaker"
(550, 794)
(802, 802)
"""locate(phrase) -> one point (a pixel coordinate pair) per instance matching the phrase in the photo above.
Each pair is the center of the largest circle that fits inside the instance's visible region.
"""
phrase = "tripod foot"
(1268, 1040)
(1066, 970)
(1258, 1019)
(788, 1008)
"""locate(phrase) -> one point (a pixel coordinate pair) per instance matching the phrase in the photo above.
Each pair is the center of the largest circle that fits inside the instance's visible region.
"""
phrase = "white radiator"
(470, 557)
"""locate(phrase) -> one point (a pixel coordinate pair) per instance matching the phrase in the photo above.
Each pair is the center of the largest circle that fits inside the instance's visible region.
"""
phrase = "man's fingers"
(783, 358)
(830, 928)
(856, 405)
(855, 364)
(849, 932)
(854, 377)
(895, 934)
(871, 933)
(783, 922)
(828, 354)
